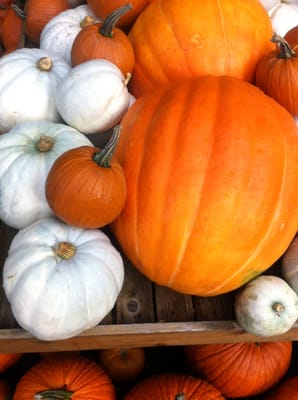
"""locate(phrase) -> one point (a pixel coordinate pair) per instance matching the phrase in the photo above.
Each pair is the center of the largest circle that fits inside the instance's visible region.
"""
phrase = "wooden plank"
(139, 335)
(214, 308)
(172, 306)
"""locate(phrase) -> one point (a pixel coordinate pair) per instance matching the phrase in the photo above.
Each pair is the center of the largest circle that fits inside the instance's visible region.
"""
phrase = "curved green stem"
(285, 49)
(103, 157)
(53, 394)
(18, 10)
(106, 29)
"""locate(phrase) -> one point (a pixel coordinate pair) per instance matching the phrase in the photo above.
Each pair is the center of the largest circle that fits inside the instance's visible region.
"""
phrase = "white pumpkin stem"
(180, 396)
(86, 21)
(56, 394)
(106, 28)
(44, 144)
(65, 250)
(44, 64)
(278, 308)
(103, 157)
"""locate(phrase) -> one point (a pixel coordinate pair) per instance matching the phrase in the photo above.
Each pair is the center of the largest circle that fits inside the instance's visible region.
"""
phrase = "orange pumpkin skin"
(285, 390)
(292, 36)
(122, 364)
(80, 375)
(277, 75)
(176, 39)
(211, 165)
(38, 13)
(168, 386)
(241, 369)
(8, 359)
(91, 44)
(82, 193)
(102, 8)
(11, 30)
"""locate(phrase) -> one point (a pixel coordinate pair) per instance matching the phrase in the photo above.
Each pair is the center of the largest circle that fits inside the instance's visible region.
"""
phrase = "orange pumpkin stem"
(285, 49)
(21, 13)
(106, 29)
(103, 157)
(53, 395)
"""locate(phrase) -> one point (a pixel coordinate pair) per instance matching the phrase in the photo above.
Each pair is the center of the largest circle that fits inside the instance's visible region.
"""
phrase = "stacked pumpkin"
(202, 197)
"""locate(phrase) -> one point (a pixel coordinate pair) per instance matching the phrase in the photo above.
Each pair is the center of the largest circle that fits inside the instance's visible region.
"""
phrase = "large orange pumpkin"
(176, 39)
(241, 369)
(211, 165)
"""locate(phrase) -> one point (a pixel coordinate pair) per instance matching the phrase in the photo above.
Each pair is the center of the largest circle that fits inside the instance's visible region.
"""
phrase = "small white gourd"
(266, 306)
(284, 16)
(59, 33)
(93, 96)
(61, 280)
(28, 79)
(27, 152)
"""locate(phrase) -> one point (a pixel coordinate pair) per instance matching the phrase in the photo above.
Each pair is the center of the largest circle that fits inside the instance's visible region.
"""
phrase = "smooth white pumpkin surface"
(55, 298)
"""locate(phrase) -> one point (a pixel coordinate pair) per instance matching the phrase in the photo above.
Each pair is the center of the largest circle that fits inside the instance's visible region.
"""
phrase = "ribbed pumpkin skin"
(167, 386)
(82, 376)
(241, 369)
(211, 166)
(175, 39)
(285, 390)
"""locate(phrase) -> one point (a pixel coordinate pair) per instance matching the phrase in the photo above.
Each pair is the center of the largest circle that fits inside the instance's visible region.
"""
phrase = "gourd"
(266, 306)
(27, 153)
(211, 186)
(34, 71)
(178, 39)
(61, 280)
(277, 75)
(65, 377)
(86, 186)
(286, 389)
(173, 386)
(269, 4)
(59, 33)
(122, 364)
(93, 96)
(284, 16)
(103, 8)
(240, 369)
(105, 41)
(289, 264)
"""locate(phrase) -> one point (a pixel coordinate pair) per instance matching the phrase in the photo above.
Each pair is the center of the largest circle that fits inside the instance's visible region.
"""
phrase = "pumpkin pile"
(197, 180)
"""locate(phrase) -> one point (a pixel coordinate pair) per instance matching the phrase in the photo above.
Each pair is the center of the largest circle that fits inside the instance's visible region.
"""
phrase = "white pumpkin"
(284, 16)
(266, 306)
(269, 4)
(93, 96)
(59, 33)
(28, 78)
(27, 153)
(61, 280)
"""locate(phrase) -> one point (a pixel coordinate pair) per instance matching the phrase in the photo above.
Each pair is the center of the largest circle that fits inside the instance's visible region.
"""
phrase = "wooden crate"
(145, 315)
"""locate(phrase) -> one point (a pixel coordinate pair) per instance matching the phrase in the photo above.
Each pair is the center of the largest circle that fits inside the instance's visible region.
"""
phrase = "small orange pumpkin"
(5, 390)
(277, 75)
(86, 187)
(122, 364)
(12, 29)
(292, 36)
(65, 377)
(8, 359)
(241, 369)
(173, 387)
(104, 40)
(38, 12)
